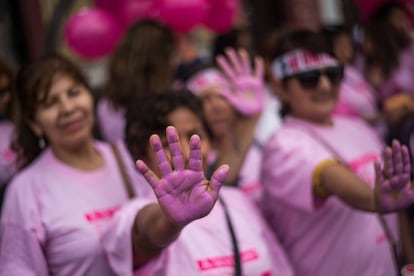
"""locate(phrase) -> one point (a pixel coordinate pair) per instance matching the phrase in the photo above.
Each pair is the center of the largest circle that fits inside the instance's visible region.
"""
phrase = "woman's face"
(219, 113)
(399, 20)
(343, 48)
(314, 104)
(65, 118)
(187, 124)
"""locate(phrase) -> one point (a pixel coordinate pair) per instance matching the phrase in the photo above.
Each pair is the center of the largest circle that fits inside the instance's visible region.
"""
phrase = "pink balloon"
(108, 5)
(221, 15)
(130, 11)
(182, 15)
(92, 33)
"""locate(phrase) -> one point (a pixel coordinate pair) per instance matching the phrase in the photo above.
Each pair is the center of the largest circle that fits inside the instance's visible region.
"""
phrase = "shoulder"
(289, 139)
(30, 174)
(356, 125)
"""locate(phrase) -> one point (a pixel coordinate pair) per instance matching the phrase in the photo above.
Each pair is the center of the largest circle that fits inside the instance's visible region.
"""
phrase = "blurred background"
(32, 28)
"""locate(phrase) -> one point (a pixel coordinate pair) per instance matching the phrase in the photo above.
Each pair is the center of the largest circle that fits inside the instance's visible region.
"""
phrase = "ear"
(278, 88)
(36, 128)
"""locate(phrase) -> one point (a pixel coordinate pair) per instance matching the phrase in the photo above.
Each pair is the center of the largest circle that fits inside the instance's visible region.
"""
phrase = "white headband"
(299, 61)
(205, 79)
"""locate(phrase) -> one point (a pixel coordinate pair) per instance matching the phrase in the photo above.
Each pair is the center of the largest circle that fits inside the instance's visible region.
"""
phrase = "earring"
(42, 142)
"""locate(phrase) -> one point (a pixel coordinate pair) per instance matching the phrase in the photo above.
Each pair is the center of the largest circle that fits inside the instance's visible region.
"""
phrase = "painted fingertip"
(404, 149)
(195, 138)
(171, 132)
(223, 170)
(220, 58)
(141, 165)
(395, 143)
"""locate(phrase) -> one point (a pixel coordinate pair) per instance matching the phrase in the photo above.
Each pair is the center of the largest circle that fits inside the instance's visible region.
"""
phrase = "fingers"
(175, 149)
(245, 60)
(163, 163)
(147, 173)
(406, 160)
(259, 68)
(235, 61)
(380, 184)
(195, 163)
(225, 66)
(217, 180)
(388, 169)
(402, 166)
(397, 157)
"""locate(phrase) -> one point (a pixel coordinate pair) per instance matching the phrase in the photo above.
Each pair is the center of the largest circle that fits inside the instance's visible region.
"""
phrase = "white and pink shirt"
(54, 215)
(323, 237)
(204, 246)
(7, 156)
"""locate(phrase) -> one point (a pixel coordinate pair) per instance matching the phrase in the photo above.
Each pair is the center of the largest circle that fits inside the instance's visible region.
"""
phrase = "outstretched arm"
(183, 193)
(393, 190)
(247, 97)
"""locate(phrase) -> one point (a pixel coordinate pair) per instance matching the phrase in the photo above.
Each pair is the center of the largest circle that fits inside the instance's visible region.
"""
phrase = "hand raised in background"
(393, 189)
(183, 192)
(247, 93)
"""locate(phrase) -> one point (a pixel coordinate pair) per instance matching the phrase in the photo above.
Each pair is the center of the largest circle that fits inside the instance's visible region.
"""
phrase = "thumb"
(217, 180)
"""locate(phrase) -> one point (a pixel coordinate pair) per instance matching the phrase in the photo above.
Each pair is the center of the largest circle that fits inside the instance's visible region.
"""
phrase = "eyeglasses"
(310, 79)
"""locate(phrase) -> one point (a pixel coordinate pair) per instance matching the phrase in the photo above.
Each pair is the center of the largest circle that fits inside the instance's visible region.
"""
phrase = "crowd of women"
(215, 169)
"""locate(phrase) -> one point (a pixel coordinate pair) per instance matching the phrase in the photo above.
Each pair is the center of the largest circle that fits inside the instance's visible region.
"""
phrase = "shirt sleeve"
(289, 162)
(22, 234)
(117, 239)
(20, 252)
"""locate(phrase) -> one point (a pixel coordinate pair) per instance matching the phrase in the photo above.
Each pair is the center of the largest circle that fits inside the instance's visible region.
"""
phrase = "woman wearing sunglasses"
(318, 170)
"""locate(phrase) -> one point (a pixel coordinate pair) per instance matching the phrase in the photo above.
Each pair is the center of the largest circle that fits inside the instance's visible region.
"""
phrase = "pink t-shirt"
(249, 176)
(204, 246)
(54, 215)
(111, 121)
(7, 156)
(323, 237)
(356, 97)
(269, 122)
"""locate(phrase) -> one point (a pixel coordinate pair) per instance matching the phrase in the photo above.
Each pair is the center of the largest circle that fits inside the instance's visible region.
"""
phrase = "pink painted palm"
(183, 192)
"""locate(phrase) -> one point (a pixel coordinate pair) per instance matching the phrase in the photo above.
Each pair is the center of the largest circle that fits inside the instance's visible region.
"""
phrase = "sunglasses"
(310, 79)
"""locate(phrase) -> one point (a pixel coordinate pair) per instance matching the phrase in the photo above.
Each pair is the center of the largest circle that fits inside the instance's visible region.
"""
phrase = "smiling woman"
(69, 186)
(318, 170)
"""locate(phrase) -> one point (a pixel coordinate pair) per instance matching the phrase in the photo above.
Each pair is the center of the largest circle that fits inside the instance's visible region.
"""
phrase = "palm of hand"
(184, 196)
(248, 95)
(393, 189)
(396, 193)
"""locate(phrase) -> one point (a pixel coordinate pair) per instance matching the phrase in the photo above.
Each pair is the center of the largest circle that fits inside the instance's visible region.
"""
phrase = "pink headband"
(299, 61)
(206, 79)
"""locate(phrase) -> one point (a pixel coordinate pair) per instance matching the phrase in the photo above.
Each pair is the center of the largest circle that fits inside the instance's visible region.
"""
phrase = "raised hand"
(393, 189)
(183, 193)
(247, 93)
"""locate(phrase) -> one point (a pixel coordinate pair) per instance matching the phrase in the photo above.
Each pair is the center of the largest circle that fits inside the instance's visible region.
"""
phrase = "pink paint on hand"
(247, 93)
(183, 193)
(394, 190)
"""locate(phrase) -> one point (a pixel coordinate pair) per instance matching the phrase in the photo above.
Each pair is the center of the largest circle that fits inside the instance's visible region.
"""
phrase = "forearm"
(340, 181)
(152, 232)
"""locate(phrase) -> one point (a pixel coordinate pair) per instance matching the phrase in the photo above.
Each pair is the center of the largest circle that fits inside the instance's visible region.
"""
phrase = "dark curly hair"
(150, 114)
